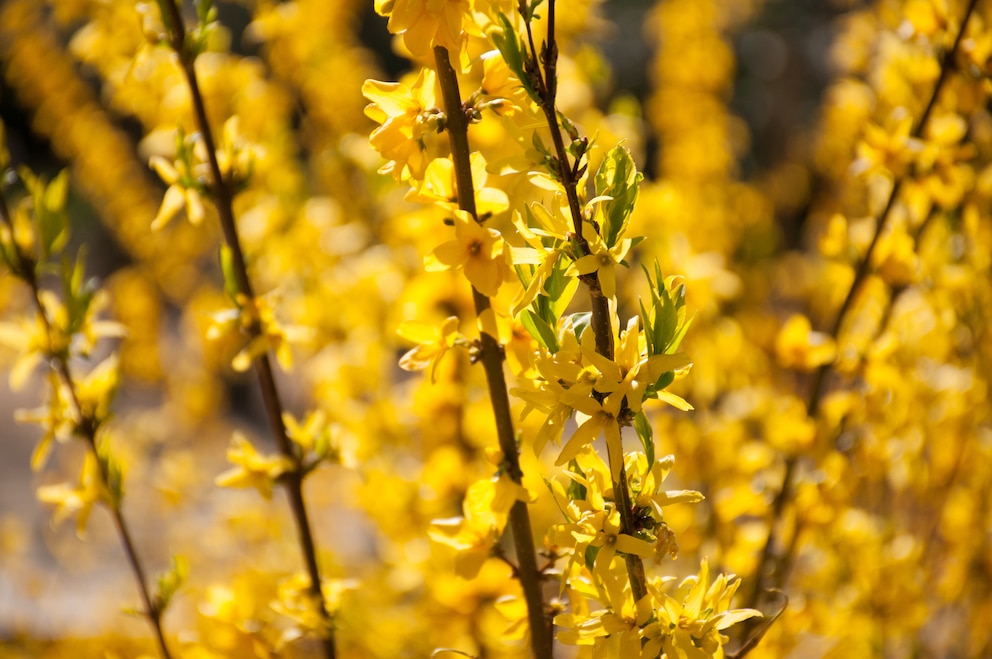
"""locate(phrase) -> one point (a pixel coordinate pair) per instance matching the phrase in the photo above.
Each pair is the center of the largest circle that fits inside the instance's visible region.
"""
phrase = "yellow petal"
(173, 200)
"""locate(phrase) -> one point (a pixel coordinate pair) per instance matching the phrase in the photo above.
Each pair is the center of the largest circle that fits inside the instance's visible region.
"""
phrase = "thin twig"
(87, 427)
(222, 196)
(492, 357)
(601, 321)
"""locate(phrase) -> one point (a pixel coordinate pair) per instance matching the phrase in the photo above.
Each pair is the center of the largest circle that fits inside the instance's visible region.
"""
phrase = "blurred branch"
(222, 196)
(87, 427)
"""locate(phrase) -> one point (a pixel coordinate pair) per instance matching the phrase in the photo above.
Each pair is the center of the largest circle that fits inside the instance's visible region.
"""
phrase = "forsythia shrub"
(649, 423)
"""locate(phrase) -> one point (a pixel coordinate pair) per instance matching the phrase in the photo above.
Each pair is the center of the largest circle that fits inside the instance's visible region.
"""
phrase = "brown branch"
(87, 427)
(601, 321)
(770, 566)
(492, 357)
(220, 190)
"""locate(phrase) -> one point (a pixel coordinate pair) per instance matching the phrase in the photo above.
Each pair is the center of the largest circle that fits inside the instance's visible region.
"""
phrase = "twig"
(87, 427)
(601, 323)
(492, 357)
(222, 196)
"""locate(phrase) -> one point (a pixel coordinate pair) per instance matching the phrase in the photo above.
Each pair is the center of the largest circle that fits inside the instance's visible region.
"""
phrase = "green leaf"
(511, 48)
(676, 341)
(169, 582)
(618, 178)
(576, 491)
(581, 321)
(50, 215)
(666, 378)
(644, 431)
(560, 288)
(112, 470)
(524, 274)
(590, 555)
(539, 329)
(77, 290)
(531, 9)
(203, 8)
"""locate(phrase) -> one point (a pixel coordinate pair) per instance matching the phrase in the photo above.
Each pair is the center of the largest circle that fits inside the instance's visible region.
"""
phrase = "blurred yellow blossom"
(252, 469)
(424, 24)
(77, 499)
(798, 346)
(432, 344)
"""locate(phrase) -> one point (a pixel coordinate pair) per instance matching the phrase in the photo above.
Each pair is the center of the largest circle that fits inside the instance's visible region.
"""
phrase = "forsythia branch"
(86, 426)
(601, 322)
(222, 195)
(492, 361)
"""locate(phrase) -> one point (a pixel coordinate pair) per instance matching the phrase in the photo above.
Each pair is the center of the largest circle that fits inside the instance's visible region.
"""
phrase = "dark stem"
(220, 190)
(770, 566)
(601, 322)
(88, 428)
(492, 362)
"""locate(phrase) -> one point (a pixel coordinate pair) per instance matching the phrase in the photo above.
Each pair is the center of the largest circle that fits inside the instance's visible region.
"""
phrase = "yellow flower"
(78, 499)
(561, 374)
(889, 148)
(798, 346)
(602, 417)
(439, 187)
(252, 469)
(692, 618)
(295, 600)
(256, 317)
(477, 249)
(433, 342)
(184, 191)
(96, 390)
(406, 113)
(486, 507)
(32, 344)
(424, 24)
(55, 417)
(601, 259)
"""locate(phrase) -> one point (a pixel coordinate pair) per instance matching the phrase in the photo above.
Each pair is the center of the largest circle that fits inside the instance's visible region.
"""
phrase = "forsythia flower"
(486, 507)
(602, 418)
(96, 390)
(252, 469)
(78, 499)
(889, 148)
(424, 24)
(257, 318)
(295, 601)
(690, 621)
(602, 530)
(433, 342)
(406, 114)
(438, 187)
(798, 346)
(185, 190)
(602, 260)
(478, 249)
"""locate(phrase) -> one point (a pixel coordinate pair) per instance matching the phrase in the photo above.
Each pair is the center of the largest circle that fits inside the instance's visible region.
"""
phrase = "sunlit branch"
(492, 362)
